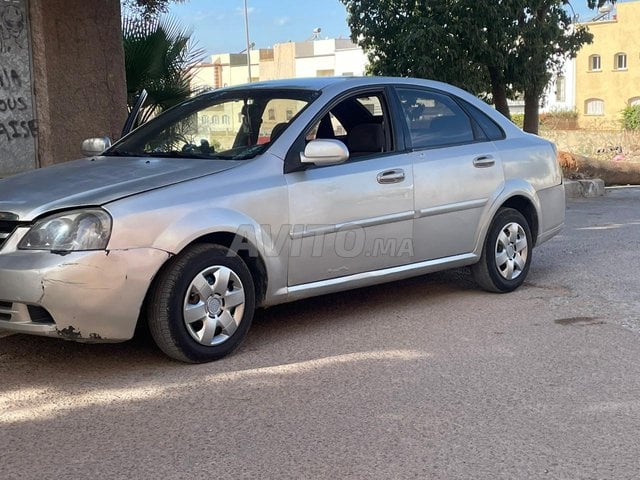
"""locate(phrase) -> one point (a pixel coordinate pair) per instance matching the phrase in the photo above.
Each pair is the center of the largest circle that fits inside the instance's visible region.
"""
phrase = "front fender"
(271, 243)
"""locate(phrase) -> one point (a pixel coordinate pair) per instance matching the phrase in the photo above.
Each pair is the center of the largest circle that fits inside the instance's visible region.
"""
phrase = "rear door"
(456, 170)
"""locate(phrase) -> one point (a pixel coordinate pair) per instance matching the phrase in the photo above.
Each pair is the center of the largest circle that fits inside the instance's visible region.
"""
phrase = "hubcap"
(213, 305)
(511, 251)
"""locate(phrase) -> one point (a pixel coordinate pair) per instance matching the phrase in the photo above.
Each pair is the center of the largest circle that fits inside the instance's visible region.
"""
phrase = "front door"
(357, 216)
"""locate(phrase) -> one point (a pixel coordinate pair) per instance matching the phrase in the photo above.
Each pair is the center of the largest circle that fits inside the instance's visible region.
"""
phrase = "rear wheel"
(506, 255)
(202, 304)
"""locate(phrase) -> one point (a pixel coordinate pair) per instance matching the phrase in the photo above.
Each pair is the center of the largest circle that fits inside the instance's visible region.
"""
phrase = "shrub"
(562, 114)
(549, 119)
(631, 118)
(518, 119)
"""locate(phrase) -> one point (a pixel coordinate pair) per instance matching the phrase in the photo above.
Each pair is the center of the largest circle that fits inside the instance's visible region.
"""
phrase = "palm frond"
(159, 54)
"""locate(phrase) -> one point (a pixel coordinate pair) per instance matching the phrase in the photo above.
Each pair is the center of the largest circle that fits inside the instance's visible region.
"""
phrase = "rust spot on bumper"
(70, 333)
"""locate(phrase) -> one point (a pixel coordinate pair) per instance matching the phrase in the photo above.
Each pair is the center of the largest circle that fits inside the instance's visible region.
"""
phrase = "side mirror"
(323, 152)
(95, 146)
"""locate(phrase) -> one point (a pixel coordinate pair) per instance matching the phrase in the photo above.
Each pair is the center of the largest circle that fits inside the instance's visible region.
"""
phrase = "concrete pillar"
(18, 124)
(78, 74)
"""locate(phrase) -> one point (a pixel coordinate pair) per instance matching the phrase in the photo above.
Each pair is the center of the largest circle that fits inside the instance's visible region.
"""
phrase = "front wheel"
(506, 255)
(202, 304)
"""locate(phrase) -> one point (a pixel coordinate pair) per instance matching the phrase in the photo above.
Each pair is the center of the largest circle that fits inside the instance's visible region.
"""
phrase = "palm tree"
(158, 56)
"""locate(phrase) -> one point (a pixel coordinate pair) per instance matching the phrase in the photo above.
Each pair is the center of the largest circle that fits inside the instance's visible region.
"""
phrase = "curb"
(584, 188)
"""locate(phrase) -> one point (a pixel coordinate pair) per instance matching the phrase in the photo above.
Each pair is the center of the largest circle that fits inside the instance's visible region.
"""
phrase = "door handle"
(484, 161)
(391, 176)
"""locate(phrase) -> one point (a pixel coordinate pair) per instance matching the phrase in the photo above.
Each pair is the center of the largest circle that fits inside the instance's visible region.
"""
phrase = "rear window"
(490, 128)
(434, 120)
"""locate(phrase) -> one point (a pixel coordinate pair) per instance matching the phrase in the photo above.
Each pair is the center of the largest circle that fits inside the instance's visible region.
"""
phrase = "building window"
(289, 115)
(215, 119)
(594, 106)
(561, 89)
(272, 114)
(225, 119)
(594, 63)
(620, 61)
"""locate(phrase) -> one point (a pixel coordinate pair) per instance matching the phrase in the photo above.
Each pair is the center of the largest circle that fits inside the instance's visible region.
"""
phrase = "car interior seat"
(365, 139)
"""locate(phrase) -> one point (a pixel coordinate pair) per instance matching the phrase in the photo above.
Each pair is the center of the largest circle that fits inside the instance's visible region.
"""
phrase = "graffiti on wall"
(18, 126)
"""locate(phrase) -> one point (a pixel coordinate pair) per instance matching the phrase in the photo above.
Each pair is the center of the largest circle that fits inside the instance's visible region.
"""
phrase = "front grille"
(7, 227)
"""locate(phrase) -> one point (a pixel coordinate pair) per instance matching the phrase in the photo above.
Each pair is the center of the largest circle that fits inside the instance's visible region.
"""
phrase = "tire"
(506, 255)
(201, 304)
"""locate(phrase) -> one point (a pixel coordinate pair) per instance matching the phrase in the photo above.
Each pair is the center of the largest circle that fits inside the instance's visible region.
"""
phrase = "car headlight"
(70, 231)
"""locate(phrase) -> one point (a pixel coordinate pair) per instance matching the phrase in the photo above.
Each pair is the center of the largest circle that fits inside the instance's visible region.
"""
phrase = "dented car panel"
(93, 296)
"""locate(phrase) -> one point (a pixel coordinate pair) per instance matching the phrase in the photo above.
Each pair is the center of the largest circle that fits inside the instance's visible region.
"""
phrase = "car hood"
(96, 181)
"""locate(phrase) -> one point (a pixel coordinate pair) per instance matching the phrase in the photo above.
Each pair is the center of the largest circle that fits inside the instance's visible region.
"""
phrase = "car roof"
(321, 83)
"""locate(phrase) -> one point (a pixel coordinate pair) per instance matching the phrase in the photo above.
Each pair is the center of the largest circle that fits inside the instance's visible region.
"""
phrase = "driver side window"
(276, 117)
(360, 122)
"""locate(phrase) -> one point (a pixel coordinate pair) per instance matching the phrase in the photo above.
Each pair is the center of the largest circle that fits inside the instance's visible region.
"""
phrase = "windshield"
(232, 124)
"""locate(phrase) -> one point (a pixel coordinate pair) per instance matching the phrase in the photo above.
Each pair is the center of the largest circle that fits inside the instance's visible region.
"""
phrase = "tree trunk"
(531, 113)
(499, 91)
(612, 172)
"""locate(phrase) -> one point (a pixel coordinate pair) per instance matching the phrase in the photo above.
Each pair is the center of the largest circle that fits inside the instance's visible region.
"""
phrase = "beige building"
(608, 70)
(313, 58)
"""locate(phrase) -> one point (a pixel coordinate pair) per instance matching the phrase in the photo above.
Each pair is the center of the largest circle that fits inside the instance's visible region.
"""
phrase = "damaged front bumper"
(91, 296)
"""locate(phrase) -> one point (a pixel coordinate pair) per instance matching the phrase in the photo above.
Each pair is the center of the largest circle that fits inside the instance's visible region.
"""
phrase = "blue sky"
(218, 25)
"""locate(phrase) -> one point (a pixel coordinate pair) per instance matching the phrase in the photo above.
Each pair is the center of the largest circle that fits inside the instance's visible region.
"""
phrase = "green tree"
(158, 56)
(490, 48)
(148, 8)
(546, 37)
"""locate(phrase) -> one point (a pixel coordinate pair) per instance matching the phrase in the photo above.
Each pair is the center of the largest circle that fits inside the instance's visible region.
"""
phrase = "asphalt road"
(425, 378)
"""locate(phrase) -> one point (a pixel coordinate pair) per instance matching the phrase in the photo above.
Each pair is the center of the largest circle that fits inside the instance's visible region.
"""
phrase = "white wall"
(339, 56)
(550, 101)
(352, 61)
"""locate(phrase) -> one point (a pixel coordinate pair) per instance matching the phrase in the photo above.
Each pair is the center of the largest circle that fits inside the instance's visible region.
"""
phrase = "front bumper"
(82, 296)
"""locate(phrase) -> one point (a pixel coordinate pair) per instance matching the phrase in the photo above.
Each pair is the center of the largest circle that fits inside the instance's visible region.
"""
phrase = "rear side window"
(434, 120)
(488, 126)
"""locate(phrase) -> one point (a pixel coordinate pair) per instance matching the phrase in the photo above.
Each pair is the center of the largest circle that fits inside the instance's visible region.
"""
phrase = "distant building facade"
(313, 58)
(608, 70)
(560, 94)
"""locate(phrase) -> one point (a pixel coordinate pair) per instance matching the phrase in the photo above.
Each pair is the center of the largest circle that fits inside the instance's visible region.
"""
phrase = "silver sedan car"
(261, 194)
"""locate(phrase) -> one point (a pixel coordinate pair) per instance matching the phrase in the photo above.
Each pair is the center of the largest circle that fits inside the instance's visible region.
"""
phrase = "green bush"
(631, 118)
(518, 119)
(562, 114)
(550, 118)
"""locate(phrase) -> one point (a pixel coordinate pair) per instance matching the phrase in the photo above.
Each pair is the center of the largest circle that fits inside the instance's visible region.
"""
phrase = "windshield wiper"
(176, 154)
(172, 154)
(118, 153)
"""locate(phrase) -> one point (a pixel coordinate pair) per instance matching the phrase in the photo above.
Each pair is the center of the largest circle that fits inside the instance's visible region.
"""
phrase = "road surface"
(425, 378)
